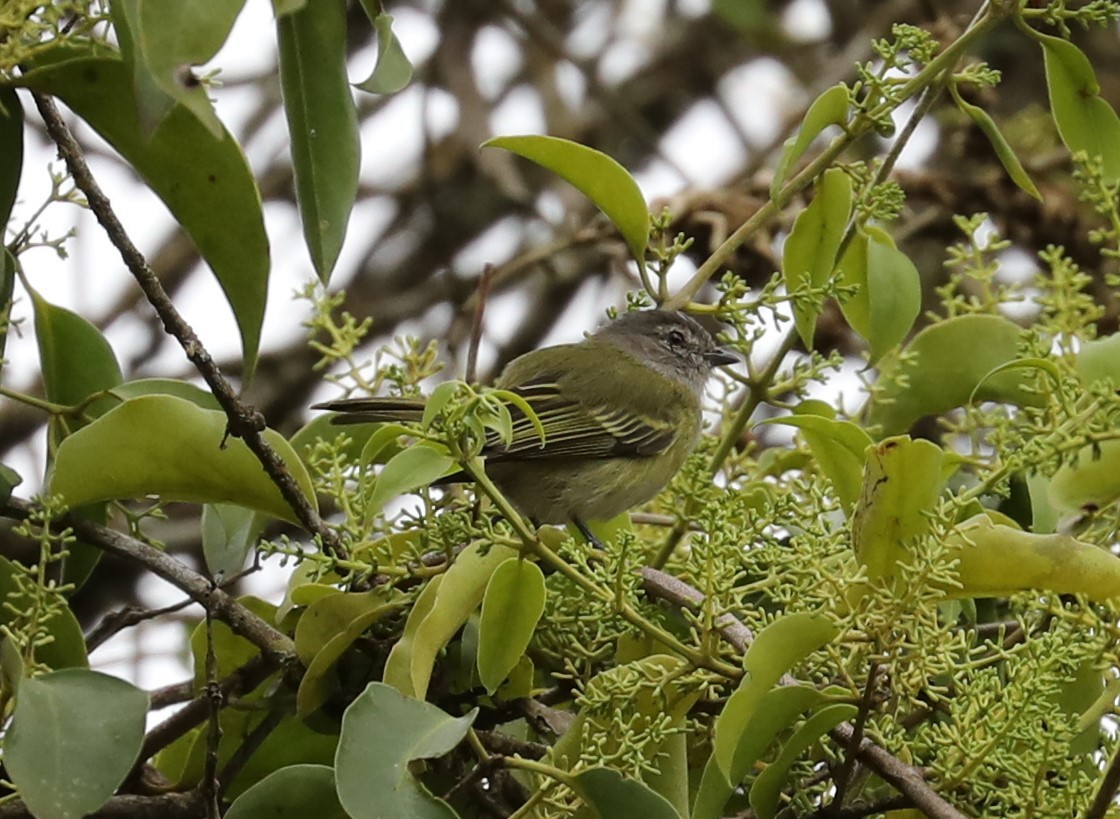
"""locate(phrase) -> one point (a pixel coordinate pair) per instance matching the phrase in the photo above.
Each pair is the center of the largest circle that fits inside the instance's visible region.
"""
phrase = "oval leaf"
(294, 792)
(511, 608)
(322, 124)
(1092, 480)
(405, 472)
(162, 445)
(1085, 121)
(894, 292)
(214, 196)
(839, 447)
(600, 178)
(74, 738)
(392, 71)
(228, 535)
(830, 108)
(901, 482)
(614, 796)
(947, 363)
(773, 652)
(809, 254)
(382, 732)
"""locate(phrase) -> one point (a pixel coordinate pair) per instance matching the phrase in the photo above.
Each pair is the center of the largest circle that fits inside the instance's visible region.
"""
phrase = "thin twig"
(244, 421)
(247, 748)
(1104, 798)
(476, 322)
(848, 767)
(214, 701)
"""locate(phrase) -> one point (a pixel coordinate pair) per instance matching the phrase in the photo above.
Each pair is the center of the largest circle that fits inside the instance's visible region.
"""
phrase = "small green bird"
(621, 411)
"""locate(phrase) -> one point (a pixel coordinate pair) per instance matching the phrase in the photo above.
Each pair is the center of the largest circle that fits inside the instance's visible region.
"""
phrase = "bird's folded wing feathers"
(576, 430)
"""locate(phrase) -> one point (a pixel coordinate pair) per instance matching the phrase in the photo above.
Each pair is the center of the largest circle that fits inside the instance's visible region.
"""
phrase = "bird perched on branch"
(621, 410)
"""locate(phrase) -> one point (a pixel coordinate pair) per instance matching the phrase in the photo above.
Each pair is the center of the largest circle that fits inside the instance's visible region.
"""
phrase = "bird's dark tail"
(366, 410)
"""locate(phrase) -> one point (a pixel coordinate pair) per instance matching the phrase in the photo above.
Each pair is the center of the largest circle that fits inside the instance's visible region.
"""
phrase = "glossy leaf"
(830, 108)
(511, 608)
(344, 617)
(322, 125)
(392, 71)
(774, 651)
(1085, 121)
(839, 448)
(767, 788)
(889, 291)
(779, 708)
(994, 560)
(7, 286)
(614, 796)
(11, 156)
(596, 175)
(901, 482)
(1004, 151)
(67, 646)
(459, 594)
(382, 732)
(946, 364)
(228, 535)
(162, 445)
(809, 254)
(294, 792)
(214, 196)
(75, 358)
(405, 472)
(74, 737)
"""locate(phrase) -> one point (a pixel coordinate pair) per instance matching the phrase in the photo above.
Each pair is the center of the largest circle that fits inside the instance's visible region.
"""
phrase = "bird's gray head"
(670, 342)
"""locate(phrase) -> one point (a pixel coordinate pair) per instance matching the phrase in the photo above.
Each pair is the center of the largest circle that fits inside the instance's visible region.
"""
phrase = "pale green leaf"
(511, 608)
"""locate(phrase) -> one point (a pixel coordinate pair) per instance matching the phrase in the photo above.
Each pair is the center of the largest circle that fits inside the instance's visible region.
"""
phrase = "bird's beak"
(720, 356)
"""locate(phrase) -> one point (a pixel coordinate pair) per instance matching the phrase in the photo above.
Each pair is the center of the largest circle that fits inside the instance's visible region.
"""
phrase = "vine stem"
(244, 421)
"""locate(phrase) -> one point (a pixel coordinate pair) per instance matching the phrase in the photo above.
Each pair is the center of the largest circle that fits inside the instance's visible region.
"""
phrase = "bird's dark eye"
(675, 338)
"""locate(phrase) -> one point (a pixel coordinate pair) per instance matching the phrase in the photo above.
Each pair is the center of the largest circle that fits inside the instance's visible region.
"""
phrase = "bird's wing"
(577, 430)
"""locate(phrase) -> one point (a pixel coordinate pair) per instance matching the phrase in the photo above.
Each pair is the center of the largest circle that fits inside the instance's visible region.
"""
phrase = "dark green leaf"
(382, 732)
(11, 156)
(9, 480)
(213, 196)
(322, 125)
(830, 108)
(810, 251)
(74, 737)
(7, 286)
(283, 7)
(613, 796)
(513, 604)
(163, 445)
(392, 71)
(1085, 121)
(596, 175)
(294, 792)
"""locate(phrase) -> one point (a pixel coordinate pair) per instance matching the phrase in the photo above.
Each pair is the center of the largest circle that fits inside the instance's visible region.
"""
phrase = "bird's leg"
(588, 535)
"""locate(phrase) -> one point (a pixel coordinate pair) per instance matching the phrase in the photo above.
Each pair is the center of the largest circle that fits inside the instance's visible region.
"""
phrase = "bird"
(621, 411)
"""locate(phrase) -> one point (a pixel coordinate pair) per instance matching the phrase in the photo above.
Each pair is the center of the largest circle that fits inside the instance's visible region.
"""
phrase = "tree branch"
(244, 421)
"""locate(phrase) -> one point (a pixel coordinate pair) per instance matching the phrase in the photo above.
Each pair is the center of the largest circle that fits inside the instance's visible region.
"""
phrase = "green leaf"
(231, 650)
(9, 480)
(596, 175)
(1003, 150)
(809, 254)
(74, 737)
(1091, 480)
(614, 796)
(228, 535)
(67, 645)
(901, 482)
(405, 472)
(511, 608)
(773, 652)
(893, 290)
(322, 124)
(382, 732)
(162, 445)
(76, 359)
(11, 156)
(830, 108)
(767, 788)
(1099, 360)
(945, 364)
(839, 447)
(214, 196)
(410, 663)
(325, 631)
(294, 792)
(392, 71)
(283, 7)
(165, 386)
(776, 711)
(1085, 121)
(7, 286)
